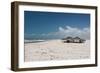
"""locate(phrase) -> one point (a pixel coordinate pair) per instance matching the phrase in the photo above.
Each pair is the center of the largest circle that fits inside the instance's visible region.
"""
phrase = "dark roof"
(67, 38)
(76, 38)
(72, 38)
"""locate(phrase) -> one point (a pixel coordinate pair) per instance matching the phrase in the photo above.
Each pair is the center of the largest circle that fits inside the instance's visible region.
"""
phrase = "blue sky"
(47, 24)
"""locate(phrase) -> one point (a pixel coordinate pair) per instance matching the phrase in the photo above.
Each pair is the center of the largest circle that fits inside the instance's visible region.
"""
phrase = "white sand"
(56, 50)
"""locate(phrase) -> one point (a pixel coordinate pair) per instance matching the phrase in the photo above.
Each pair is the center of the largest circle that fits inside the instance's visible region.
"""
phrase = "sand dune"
(56, 50)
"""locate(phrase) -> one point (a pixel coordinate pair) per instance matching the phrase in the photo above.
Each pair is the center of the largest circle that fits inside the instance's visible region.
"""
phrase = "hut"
(68, 40)
(78, 40)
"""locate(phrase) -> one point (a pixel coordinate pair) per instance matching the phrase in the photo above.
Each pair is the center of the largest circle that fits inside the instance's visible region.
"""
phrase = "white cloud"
(71, 31)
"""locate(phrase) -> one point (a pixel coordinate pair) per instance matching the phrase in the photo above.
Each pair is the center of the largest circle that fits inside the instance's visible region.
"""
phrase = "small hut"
(78, 40)
(68, 40)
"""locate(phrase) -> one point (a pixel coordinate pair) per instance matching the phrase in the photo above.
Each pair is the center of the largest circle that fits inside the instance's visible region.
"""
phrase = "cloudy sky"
(51, 25)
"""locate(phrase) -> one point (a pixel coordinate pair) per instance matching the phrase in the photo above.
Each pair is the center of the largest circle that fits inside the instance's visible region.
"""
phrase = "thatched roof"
(67, 38)
(76, 38)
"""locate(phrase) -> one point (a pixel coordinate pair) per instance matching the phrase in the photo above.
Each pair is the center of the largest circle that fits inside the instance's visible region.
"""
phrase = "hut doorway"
(68, 41)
